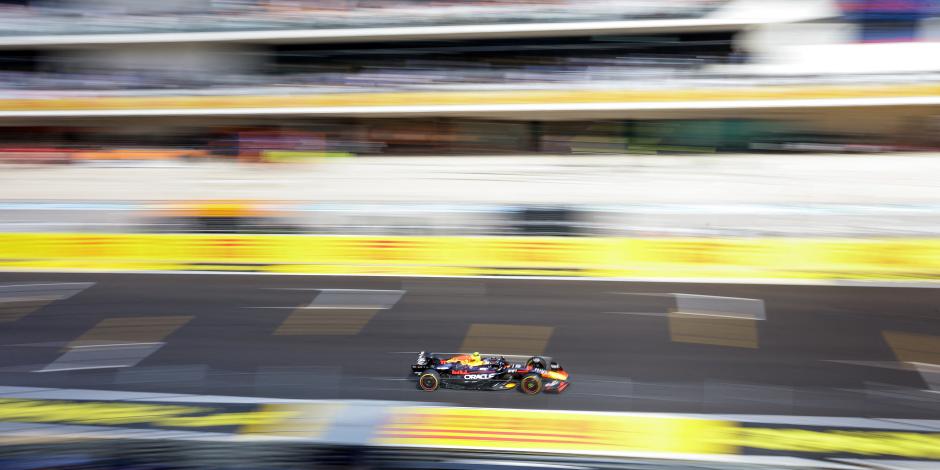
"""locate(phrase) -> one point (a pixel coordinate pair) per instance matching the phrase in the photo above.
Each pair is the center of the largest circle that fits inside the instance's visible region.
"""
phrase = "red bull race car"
(488, 372)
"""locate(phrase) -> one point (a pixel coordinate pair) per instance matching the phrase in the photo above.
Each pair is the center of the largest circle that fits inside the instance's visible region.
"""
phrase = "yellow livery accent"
(556, 375)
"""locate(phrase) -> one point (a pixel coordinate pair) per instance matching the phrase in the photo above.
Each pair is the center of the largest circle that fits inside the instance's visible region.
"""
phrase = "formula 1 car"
(488, 372)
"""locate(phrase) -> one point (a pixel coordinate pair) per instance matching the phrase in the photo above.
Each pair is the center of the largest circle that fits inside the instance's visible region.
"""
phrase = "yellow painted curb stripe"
(474, 98)
(508, 429)
(631, 434)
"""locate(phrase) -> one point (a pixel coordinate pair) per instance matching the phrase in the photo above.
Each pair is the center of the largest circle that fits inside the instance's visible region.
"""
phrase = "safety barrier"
(365, 423)
(737, 258)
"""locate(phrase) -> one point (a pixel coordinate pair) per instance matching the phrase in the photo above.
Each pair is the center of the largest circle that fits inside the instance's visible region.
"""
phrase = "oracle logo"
(479, 376)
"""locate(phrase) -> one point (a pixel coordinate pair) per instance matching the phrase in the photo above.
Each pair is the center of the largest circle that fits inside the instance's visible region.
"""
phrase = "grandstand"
(227, 227)
(470, 77)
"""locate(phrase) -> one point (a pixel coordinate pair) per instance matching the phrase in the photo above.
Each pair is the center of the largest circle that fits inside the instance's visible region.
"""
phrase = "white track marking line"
(102, 356)
(65, 369)
(373, 298)
(698, 305)
(38, 292)
(338, 307)
(715, 315)
(318, 303)
(645, 294)
(331, 290)
(643, 314)
(398, 291)
(930, 373)
(49, 344)
(703, 296)
(886, 283)
(114, 345)
(87, 284)
(666, 314)
(924, 364)
(291, 288)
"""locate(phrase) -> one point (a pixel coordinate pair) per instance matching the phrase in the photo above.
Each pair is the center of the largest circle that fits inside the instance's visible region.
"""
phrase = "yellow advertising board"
(732, 258)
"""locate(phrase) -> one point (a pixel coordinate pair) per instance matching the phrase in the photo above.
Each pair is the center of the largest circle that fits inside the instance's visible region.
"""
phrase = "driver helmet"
(475, 357)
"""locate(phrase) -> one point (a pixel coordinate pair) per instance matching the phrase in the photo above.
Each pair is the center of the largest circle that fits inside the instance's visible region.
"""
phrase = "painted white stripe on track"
(338, 307)
(886, 283)
(67, 369)
(76, 284)
(102, 356)
(114, 345)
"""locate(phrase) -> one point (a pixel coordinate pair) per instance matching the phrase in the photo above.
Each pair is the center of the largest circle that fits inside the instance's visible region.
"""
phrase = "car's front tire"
(429, 381)
(531, 384)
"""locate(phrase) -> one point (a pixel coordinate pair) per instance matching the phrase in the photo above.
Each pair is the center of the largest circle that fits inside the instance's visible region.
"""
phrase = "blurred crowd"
(665, 61)
(127, 16)
(633, 73)
(613, 72)
(614, 61)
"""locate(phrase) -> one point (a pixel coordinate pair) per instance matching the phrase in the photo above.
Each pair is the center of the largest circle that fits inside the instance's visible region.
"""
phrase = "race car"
(488, 372)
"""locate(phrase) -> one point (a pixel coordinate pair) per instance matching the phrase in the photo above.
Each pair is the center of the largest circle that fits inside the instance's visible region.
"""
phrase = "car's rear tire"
(531, 384)
(537, 361)
(429, 380)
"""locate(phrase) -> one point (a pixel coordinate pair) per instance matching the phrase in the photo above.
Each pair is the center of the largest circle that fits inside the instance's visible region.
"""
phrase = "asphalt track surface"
(820, 350)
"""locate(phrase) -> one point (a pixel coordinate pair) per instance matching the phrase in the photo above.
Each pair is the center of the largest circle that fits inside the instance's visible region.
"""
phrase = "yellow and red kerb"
(543, 430)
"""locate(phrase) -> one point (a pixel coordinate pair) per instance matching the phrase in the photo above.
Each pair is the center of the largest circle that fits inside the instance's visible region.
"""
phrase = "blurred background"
(99, 80)
(586, 179)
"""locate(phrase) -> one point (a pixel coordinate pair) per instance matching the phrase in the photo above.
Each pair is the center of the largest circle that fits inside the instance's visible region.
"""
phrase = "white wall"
(766, 41)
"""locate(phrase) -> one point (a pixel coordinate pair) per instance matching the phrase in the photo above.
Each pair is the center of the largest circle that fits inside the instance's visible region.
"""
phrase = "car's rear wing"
(422, 363)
